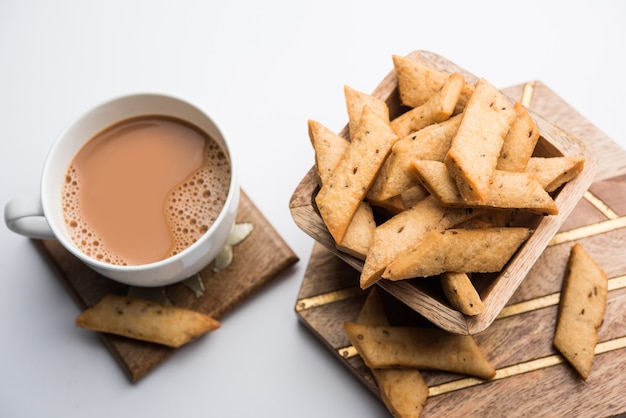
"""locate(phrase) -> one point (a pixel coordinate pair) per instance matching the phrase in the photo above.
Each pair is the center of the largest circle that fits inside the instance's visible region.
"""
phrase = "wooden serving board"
(257, 260)
(532, 378)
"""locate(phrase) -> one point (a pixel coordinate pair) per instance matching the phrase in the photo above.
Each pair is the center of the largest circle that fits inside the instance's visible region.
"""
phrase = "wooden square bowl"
(424, 295)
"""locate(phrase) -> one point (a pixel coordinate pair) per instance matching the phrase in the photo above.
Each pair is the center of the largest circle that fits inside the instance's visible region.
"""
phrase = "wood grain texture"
(257, 260)
(418, 294)
(533, 379)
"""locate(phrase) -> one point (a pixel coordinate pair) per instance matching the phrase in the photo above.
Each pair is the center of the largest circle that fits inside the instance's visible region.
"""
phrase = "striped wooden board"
(532, 377)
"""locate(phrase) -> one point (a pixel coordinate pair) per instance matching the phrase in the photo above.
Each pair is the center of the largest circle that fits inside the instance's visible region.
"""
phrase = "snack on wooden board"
(419, 347)
(456, 151)
(402, 390)
(581, 310)
(146, 320)
(373, 312)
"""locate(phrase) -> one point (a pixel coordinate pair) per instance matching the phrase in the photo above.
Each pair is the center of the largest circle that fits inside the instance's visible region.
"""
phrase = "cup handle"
(24, 215)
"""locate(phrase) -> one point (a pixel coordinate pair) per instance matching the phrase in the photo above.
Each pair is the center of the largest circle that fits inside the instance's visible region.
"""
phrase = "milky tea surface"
(144, 190)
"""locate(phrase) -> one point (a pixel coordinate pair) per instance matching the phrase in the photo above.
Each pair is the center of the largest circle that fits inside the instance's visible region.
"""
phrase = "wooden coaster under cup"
(256, 260)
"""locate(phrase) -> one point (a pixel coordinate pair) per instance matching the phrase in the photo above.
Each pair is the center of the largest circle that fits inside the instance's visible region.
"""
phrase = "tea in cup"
(142, 189)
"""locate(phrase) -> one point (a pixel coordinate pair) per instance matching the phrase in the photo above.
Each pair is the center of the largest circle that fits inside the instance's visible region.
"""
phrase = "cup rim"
(58, 228)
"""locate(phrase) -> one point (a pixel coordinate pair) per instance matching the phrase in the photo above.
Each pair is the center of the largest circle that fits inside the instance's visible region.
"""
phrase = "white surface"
(261, 69)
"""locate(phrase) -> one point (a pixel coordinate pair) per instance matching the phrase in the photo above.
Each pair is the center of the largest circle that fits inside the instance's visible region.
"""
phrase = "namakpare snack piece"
(355, 102)
(329, 149)
(519, 142)
(459, 250)
(474, 152)
(339, 199)
(404, 231)
(510, 189)
(402, 390)
(146, 320)
(581, 310)
(418, 347)
(461, 293)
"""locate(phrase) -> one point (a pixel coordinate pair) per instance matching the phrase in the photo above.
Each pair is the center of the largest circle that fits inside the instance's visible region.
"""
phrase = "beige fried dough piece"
(360, 232)
(465, 250)
(510, 190)
(355, 102)
(519, 142)
(430, 143)
(419, 347)
(581, 310)
(393, 205)
(402, 390)
(460, 292)
(373, 312)
(475, 149)
(438, 108)
(417, 82)
(553, 172)
(339, 198)
(329, 149)
(146, 320)
(411, 196)
(404, 230)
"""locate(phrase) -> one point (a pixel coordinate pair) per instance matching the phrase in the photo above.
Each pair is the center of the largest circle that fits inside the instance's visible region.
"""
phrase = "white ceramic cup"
(41, 216)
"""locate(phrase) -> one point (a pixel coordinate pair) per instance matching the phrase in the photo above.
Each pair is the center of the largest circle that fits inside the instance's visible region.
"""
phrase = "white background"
(261, 69)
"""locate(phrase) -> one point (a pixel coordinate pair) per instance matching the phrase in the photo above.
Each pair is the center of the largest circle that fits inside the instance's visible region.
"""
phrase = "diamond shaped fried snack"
(581, 310)
(519, 142)
(329, 149)
(355, 102)
(551, 173)
(145, 320)
(339, 199)
(475, 149)
(402, 390)
(460, 292)
(430, 143)
(360, 232)
(405, 230)
(438, 108)
(484, 250)
(373, 312)
(419, 347)
(418, 82)
(510, 190)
